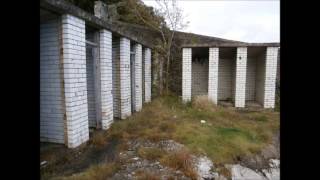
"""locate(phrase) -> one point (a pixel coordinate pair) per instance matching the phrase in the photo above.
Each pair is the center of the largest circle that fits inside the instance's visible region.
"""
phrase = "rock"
(135, 158)
(204, 166)
(43, 163)
(274, 172)
(274, 163)
(239, 172)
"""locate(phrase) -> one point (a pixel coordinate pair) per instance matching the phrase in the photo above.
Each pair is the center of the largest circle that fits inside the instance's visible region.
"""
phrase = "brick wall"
(186, 74)
(251, 79)
(90, 87)
(105, 52)
(240, 84)
(270, 77)
(226, 79)
(125, 85)
(116, 76)
(143, 75)
(74, 67)
(199, 76)
(213, 74)
(51, 102)
(138, 77)
(133, 76)
(147, 74)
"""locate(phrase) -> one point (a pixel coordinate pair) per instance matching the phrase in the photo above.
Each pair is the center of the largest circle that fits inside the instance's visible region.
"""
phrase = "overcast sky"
(249, 21)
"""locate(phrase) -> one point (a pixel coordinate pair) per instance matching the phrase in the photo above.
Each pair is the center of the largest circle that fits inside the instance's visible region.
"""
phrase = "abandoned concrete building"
(94, 69)
(239, 73)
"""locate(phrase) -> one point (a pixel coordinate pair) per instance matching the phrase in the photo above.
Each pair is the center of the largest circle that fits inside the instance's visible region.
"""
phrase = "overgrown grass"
(95, 172)
(143, 175)
(226, 135)
(182, 161)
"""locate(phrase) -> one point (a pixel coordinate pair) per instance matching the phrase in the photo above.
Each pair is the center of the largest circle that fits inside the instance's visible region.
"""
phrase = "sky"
(248, 21)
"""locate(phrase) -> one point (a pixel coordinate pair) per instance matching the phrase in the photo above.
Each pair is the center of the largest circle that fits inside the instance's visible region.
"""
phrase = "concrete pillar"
(186, 74)
(125, 78)
(270, 77)
(75, 87)
(213, 75)
(241, 70)
(147, 74)
(138, 77)
(105, 53)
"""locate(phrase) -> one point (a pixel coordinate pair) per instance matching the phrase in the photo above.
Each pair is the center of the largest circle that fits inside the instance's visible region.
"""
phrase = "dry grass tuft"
(181, 160)
(99, 138)
(222, 170)
(203, 103)
(151, 153)
(144, 175)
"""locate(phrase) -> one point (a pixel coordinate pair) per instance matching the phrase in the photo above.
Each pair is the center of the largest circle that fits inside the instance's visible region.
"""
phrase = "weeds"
(226, 135)
(151, 153)
(181, 160)
(95, 172)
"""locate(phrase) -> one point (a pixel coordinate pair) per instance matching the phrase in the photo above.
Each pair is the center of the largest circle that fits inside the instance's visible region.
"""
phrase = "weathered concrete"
(122, 29)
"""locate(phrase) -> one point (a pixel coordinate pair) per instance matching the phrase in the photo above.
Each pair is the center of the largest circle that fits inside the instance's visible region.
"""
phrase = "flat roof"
(230, 44)
(64, 7)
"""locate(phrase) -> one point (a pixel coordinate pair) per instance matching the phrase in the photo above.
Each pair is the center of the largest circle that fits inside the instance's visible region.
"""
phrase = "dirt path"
(64, 162)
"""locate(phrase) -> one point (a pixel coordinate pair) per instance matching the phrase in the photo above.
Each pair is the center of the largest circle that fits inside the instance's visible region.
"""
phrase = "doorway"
(132, 75)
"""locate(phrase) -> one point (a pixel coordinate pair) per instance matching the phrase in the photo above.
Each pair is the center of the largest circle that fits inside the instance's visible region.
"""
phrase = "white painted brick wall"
(213, 74)
(74, 63)
(241, 69)
(251, 79)
(186, 74)
(125, 85)
(105, 52)
(91, 88)
(147, 74)
(143, 75)
(226, 79)
(199, 76)
(138, 77)
(116, 76)
(270, 77)
(51, 104)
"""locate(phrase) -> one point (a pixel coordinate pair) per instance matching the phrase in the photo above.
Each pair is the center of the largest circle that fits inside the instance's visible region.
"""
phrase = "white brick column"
(75, 87)
(270, 77)
(241, 70)
(138, 77)
(125, 85)
(105, 53)
(147, 74)
(213, 74)
(186, 74)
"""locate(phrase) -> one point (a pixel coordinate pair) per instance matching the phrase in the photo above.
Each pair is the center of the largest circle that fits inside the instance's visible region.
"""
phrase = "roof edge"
(64, 7)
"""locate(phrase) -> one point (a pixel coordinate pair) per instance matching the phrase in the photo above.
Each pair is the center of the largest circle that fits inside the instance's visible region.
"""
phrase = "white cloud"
(250, 21)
